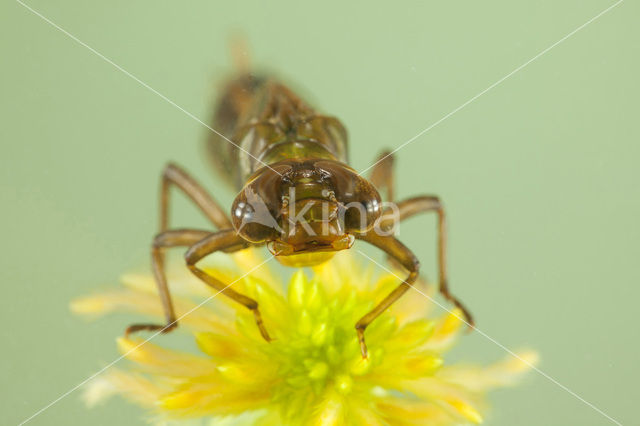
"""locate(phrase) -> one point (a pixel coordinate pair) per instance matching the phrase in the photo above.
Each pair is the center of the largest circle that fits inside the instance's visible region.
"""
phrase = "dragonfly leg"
(175, 175)
(224, 240)
(407, 259)
(174, 238)
(382, 174)
(425, 204)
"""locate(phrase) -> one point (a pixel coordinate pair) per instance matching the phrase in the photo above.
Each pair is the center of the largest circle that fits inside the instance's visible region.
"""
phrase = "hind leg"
(426, 204)
(173, 175)
(382, 174)
(175, 238)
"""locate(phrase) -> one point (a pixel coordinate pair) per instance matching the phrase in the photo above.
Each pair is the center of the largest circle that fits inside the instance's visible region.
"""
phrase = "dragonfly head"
(305, 210)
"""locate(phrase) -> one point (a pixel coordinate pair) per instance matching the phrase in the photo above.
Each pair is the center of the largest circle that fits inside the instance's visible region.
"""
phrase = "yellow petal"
(297, 288)
(198, 318)
(500, 374)
(330, 412)
(318, 371)
(319, 335)
(252, 260)
(221, 346)
(134, 386)
(166, 362)
(179, 400)
(423, 364)
(467, 411)
(344, 383)
(402, 411)
(456, 397)
(447, 330)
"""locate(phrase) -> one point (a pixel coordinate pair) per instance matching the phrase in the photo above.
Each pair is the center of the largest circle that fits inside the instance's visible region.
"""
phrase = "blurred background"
(539, 175)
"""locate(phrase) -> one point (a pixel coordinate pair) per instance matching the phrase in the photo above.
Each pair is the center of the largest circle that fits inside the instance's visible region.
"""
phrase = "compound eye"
(255, 209)
(361, 215)
(359, 201)
(253, 221)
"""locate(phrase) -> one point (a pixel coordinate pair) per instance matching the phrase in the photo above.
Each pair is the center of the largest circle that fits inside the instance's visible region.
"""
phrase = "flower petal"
(500, 374)
(136, 387)
(165, 362)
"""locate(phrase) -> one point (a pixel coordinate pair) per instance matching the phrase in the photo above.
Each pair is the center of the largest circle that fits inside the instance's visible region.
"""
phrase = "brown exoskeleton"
(297, 195)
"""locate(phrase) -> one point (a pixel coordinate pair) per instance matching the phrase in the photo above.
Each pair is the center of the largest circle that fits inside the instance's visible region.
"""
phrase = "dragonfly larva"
(297, 195)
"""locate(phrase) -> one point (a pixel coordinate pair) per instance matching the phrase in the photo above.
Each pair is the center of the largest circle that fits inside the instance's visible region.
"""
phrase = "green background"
(539, 175)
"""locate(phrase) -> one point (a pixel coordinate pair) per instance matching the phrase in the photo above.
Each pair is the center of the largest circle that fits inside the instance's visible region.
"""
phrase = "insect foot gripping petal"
(467, 317)
(407, 259)
(134, 328)
(363, 345)
(220, 241)
(248, 302)
(260, 324)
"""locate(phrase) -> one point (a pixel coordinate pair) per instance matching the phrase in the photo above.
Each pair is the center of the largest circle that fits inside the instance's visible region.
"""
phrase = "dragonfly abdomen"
(269, 123)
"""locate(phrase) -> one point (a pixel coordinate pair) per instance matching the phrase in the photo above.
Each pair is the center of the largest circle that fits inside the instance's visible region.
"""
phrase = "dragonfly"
(296, 194)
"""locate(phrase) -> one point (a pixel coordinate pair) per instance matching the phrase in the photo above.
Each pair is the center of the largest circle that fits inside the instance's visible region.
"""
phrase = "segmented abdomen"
(268, 123)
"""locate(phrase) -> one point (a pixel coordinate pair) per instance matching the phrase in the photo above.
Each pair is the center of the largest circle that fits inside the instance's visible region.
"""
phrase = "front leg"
(399, 252)
(226, 240)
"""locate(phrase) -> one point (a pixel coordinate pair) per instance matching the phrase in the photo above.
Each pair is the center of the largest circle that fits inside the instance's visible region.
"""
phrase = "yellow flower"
(312, 373)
